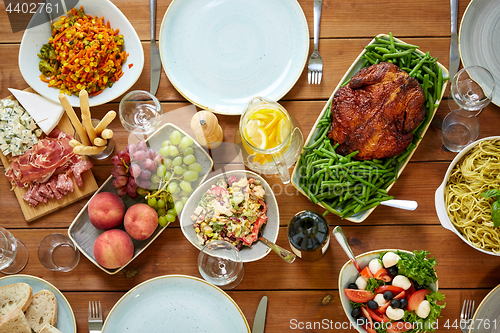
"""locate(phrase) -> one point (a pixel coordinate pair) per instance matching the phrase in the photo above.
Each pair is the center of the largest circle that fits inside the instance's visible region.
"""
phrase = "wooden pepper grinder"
(207, 129)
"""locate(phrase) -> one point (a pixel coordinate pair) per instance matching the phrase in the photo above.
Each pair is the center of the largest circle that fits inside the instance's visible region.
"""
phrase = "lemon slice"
(259, 140)
(252, 128)
(283, 130)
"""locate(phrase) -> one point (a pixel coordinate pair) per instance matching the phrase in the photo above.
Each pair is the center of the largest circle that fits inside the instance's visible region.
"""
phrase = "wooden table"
(295, 291)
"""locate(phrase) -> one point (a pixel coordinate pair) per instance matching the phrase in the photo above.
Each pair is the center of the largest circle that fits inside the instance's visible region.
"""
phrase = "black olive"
(362, 321)
(356, 312)
(395, 303)
(372, 305)
(403, 303)
(393, 270)
(352, 286)
(417, 285)
(388, 295)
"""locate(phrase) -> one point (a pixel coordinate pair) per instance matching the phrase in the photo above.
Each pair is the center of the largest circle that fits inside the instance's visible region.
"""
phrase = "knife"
(260, 317)
(154, 51)
(454, 55)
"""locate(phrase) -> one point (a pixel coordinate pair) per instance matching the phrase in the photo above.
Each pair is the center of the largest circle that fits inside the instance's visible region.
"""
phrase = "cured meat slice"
(29, 199)
(45, 191)
(80, 168)
(52, 184)
(64, 184)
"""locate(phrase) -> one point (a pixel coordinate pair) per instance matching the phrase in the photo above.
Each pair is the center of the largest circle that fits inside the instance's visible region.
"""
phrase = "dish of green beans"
(350, 188)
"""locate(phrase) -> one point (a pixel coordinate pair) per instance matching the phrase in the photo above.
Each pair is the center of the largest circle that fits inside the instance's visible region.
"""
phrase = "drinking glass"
(460, 127)
(219, 263)
(57, 253)
(472, 88)
(13, 253)
(140, 112)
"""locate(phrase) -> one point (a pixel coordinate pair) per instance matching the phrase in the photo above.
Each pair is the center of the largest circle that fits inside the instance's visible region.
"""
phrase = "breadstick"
(86, 118)
(88, 150)
(74, 119)
(100, 142)
(107, 134)
(74, 143)
(105, 121)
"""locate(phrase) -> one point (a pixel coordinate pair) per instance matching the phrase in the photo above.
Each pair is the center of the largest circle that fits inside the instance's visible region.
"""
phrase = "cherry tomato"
(359, 296)
(417, 298)
(383, 275)
(401, 295)
(366, 272)
(383, 289)
(380, 317)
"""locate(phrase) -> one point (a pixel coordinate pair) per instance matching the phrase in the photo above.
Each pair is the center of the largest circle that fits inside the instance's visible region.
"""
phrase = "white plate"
(176, 303)
(84, 234)
(478, 39)
(270, 230)
(487, 316)
(65, 317)
(219, 54)
(34, 38)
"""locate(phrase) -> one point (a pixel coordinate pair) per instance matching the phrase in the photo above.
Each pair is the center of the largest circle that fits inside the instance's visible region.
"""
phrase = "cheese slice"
(45, 112)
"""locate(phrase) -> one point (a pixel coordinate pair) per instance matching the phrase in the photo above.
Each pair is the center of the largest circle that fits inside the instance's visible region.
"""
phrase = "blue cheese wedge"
(18, 131)
(45, 112)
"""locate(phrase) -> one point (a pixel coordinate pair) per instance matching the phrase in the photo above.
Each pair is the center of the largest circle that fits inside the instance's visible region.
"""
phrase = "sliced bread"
(12, 296)
(14, 322)
(49, 329)
(43, 310)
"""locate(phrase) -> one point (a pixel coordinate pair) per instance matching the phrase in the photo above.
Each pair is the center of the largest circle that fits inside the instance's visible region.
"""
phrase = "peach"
(113, 248)
(106, 211)
(140, 221)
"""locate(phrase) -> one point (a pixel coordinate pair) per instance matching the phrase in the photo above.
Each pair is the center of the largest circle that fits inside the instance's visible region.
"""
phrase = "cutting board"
(89, 183)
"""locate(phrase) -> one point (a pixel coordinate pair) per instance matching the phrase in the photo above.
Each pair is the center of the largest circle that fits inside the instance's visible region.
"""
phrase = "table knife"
(154, 51)
(260, 317)
(454, 55)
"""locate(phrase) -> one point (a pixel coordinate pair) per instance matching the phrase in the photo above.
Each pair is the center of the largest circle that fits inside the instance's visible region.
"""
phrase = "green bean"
(383, 50)
(331, 209)
(429, 71)
(396, 55)
(439, 84)
(320, 139)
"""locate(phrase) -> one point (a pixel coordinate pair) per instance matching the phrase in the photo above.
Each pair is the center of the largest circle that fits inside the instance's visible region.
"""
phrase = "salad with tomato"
(396, 293)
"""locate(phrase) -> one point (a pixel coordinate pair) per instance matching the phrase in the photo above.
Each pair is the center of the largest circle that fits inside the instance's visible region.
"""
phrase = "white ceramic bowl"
(349, 273)
(440, 201)
(35, 37)
(270, 230)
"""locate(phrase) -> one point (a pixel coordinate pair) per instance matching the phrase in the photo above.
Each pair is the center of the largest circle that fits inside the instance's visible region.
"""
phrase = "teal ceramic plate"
(221, 53)
(65, 317)
(176, 303)
(478, 39)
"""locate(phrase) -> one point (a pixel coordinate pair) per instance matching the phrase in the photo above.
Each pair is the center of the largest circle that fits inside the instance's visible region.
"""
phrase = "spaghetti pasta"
(468, 210)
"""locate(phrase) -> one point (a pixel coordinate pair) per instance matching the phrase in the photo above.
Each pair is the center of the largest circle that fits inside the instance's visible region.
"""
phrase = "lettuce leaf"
(417, 267)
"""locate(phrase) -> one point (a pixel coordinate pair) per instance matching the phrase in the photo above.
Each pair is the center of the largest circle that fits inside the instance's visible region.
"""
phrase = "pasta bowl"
(440, 198)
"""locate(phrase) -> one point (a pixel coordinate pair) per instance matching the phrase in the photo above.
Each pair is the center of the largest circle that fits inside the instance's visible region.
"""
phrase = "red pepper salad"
(233, 210)
(396, 293)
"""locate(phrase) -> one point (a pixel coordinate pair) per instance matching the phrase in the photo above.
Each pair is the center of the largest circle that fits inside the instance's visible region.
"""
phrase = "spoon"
(286, 255)
(401, 204)
(339, 235)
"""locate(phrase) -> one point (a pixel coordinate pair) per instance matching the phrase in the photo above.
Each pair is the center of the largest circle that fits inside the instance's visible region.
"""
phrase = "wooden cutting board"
(89, 183)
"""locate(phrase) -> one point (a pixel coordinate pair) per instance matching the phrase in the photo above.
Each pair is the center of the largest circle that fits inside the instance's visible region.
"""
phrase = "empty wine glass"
(140, 112)
(13, 253)
(219, 263)
(472, 88)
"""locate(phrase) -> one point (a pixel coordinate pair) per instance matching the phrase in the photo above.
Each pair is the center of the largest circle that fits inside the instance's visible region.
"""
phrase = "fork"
(95, 317)
(466, 315)
(315, 67)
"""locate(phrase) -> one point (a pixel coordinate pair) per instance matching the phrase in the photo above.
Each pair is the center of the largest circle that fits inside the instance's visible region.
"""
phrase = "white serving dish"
(35, 37)
(355, 67)
(348, 274)
(440, 201)
(270, 230)
(84, 234)
(176, 303)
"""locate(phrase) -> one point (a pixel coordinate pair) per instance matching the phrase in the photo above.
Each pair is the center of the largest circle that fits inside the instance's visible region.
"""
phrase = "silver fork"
(315, 67)
(95, 317)
(466, 315)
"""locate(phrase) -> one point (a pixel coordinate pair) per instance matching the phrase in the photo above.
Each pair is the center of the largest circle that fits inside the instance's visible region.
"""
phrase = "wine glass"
(219, 263)
(13, 253)
(140, 112)
(472, 88)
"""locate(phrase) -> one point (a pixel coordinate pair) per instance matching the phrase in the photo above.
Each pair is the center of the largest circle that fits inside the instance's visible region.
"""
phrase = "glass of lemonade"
(270, 138)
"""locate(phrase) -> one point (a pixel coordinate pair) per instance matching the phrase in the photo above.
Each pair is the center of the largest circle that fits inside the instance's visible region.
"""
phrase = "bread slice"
(14, 322)
(43, 310)
(49, 329)
(12, 296)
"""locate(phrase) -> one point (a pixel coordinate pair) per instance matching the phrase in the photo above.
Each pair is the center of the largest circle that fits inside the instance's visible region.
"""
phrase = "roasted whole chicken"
(377, 112)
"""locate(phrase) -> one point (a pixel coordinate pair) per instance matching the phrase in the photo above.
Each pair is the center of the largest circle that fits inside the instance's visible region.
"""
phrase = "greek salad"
(233, 210)
(396, 293)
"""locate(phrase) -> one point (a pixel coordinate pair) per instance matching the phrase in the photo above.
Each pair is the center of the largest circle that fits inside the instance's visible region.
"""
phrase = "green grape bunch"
(174, 179)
